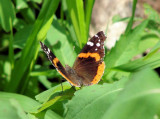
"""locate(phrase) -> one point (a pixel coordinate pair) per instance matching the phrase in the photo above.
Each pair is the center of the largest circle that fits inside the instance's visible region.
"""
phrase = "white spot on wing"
(90, 43)
(96, 36)
(99, 40)
(49, 50)
(98, 44)
(96, 49)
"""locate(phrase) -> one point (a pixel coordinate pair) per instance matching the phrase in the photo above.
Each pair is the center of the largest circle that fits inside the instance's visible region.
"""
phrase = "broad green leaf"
(26, 103)
(151, 60)
(30, 51)
(18, 108)
(55, 97)
(148, 40)
(125, 48)
(7, 13)
(140, 98)
(21, 36)
(62, 45)
(46, 95)
(31, 116)
(20, 103)
(8, 111)
(155, 47)
(51, 115)
(90, 102)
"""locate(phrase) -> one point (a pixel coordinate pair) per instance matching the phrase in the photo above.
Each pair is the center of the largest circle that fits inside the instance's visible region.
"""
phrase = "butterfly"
(88, 67)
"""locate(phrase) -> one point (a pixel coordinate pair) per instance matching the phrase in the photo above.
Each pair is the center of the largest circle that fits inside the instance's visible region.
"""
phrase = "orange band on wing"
(86, 55)
(55, 61)
(67, 79)
(99, 73)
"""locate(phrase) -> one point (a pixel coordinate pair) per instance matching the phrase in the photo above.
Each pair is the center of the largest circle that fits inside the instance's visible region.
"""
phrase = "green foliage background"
(129, 89)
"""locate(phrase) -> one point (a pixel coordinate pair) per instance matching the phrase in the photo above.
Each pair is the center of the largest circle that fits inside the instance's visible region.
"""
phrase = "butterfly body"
(89, 65)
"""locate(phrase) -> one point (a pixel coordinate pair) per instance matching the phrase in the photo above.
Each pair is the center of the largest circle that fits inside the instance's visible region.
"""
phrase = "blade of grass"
(11, 51)
(129, 26)
(77, 17)
(30, 51)
(88, 13)
(74, 18)
(81, 20)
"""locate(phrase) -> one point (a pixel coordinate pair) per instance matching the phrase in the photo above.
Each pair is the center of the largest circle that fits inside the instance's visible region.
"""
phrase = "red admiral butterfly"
(89, 65)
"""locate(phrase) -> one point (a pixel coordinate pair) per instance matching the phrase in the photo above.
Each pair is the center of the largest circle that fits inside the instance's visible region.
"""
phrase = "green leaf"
(28, 14)
(90, 102)
(19, 24)
(151, 13)
(125, 48)
(47, 72)
(148, 40)
(11, 50)
(130, 24)
(26, 103)
(21, 36)
(51, 115)
(5, 71)
(140, 98)
(53, 96)
(88, 12)
(151, 60)
(81, 20)
(8, 111)
(21, 4)
(37, 1)
(77, 16)
(7, 13)
(46, 95)
(15, 102)
(63, 46)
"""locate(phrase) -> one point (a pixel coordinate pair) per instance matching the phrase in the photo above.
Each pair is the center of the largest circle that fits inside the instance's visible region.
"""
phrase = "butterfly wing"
(56, 63)
(89, 64)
